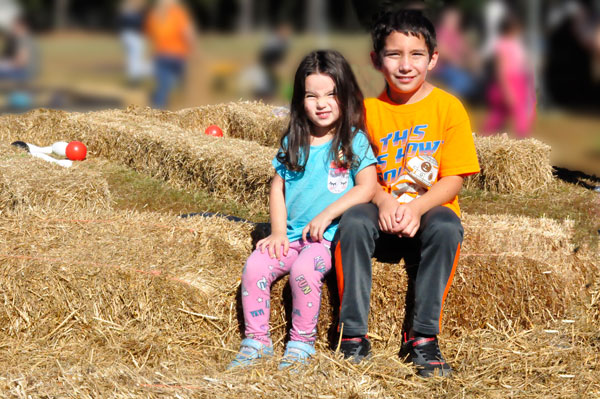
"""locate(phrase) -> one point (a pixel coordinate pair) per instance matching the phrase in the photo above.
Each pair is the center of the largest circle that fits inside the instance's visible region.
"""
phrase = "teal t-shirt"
(308, 193)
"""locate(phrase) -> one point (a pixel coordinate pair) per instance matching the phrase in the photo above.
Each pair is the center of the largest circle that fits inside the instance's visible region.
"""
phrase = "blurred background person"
(456, 69)
(569, 56)
(271, 55)
(171, 32)
(262, 80)
(511, 92)
(131, 25)
(493, 13)
(19, 60)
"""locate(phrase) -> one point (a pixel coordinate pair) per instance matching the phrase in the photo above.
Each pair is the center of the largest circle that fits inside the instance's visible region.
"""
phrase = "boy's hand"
(274, 243)
(401, 219)
(316, 227)
(408, 219)
(387, 215)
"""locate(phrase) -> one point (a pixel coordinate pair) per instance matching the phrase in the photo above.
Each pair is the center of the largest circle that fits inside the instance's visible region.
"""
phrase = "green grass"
(132, 190)
(560, 201)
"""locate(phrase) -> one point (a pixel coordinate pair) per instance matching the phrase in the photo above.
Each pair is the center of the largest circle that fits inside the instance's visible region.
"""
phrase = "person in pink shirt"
(511, 95)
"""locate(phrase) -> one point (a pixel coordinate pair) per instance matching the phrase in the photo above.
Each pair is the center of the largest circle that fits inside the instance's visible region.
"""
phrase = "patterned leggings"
(307, 263)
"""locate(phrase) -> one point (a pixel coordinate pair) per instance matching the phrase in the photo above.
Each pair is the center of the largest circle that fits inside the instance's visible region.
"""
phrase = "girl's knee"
(309, 274)
(257, 267)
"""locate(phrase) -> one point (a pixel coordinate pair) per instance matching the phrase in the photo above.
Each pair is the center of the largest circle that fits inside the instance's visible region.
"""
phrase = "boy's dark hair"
(295, 142)
(408, 21)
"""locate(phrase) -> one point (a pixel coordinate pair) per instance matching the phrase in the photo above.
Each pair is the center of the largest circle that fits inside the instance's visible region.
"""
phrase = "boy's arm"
(405, 219)
(278, 216)
(362, 192)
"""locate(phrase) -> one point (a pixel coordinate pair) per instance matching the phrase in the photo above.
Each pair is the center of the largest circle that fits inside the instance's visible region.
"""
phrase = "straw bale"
(168, 145)
(229, 168)
(208, 253)
(247, 120)
(510, 166)
(127, 304)
(104, 303)
(31, 182)
(252, 121)
(544, 240)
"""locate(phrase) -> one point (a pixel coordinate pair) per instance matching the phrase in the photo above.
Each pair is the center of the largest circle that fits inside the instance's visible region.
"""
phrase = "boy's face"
(404, 62)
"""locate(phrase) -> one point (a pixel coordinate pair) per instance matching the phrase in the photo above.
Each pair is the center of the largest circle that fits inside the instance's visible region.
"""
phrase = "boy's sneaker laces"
(424, 352)
(355, 349)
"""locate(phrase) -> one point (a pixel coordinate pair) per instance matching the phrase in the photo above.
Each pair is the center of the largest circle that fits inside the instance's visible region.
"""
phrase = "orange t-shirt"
(168, 32)
(436, 126)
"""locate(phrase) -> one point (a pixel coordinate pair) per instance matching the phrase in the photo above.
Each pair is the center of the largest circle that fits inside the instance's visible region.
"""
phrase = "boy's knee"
(443, 222)
(358, 217)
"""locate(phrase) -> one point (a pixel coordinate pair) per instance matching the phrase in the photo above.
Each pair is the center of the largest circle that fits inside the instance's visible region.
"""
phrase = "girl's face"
(320, 103)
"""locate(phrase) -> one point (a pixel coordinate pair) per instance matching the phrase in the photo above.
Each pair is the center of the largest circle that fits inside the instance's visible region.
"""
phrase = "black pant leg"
(440, 236)
(356, 235)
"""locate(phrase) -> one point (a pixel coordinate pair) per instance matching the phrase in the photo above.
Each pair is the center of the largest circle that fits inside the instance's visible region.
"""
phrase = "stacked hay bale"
(247, 120)
(510, 166)
(169, 146)
(98, 302)
(158, 143)
(142, 299)
(253, 121)
(208, 254)
(228, 168)
(27, 182)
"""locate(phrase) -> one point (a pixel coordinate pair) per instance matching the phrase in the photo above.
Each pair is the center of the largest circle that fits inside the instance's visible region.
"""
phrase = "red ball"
(214, 130)
(76, 151)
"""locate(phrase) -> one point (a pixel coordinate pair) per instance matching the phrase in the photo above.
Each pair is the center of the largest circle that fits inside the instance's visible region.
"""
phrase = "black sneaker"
(424, 352)
(355, 349)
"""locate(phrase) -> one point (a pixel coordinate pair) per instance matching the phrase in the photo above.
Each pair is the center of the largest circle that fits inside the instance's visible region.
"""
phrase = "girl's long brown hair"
(295, 142)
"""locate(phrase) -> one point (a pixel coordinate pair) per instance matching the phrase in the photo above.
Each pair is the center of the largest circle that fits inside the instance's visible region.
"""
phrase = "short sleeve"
(459, 156)
(279, 167)
(362, 149)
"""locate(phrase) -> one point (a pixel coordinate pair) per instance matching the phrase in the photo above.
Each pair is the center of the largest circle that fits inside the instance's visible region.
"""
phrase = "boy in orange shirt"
(425, 148)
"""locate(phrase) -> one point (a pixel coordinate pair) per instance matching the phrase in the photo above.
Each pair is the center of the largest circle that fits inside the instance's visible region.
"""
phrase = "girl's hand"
(316, 227)
(273, 244)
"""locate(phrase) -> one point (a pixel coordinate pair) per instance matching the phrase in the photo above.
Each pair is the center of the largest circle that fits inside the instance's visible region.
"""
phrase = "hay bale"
(510, 166)
(208, 254)
(252, 121)
(544, 240)
(169, 146)
(229, 168)
(147, 304)
(247, 120)
(27, 182)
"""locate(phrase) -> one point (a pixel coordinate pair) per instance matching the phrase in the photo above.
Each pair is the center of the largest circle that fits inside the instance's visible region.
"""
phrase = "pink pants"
(307, 263)
(522, 111)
